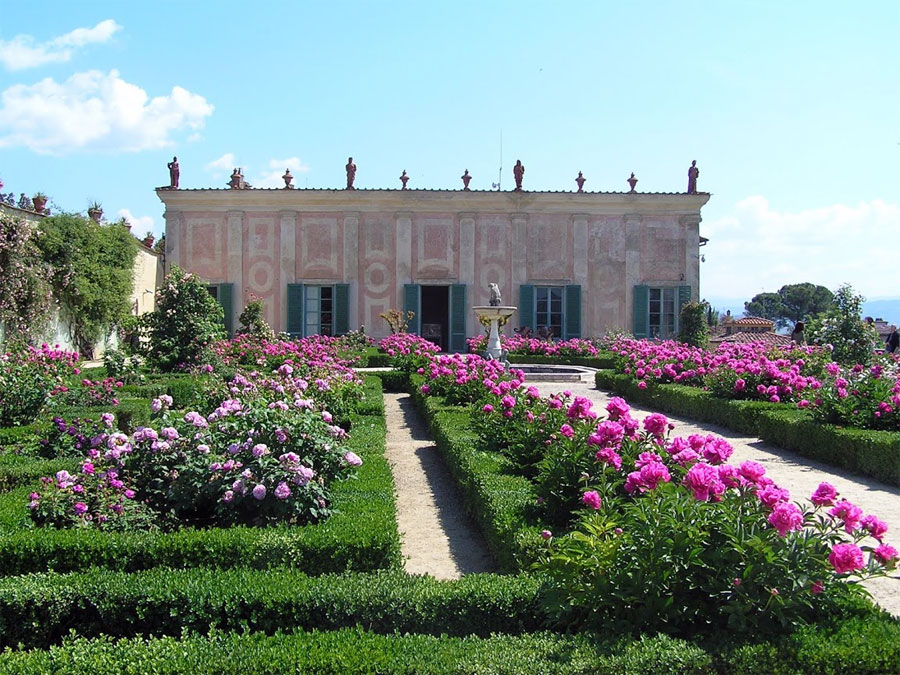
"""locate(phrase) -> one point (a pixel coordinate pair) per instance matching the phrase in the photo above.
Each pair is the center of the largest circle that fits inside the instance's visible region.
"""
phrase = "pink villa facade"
(329, 261)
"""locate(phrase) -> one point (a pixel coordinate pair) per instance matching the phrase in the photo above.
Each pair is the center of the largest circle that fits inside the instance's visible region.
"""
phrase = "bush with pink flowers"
(266, 454)
(670, 536)
(867, 397)
(27, 377)
(517, 345)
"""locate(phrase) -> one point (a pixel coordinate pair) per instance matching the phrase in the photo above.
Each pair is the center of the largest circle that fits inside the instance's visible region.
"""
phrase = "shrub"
(93, 270)
(184, 325)
(26, 379)
(843, 328)
(253, 324)
(694, 329)
(25, 282)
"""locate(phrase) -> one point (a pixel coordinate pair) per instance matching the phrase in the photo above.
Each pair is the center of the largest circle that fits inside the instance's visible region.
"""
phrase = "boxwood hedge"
(362, 535)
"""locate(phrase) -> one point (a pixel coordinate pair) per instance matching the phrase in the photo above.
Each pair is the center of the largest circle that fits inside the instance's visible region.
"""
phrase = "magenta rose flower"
(846, 558)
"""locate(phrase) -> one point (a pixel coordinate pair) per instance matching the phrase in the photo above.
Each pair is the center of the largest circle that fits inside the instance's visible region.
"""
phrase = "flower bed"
(362, 535)
(873, 453)
(26, 379)
(641, 503)
(517, 345)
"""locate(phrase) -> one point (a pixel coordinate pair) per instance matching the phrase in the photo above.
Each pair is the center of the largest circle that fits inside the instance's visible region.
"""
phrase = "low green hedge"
(602, 360)
(393, 380)
(498, 500)
(873, 453)
(362, 535)
(853, 645)
(23, 470)
(38, 610)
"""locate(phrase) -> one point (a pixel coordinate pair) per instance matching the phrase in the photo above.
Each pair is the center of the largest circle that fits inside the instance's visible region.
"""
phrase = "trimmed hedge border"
(362, 535)
(498, 500)
(873, 453)
(38, 610)
(601, 361)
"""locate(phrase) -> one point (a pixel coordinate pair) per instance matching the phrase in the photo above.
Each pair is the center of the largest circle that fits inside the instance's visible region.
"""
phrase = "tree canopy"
(792, 303)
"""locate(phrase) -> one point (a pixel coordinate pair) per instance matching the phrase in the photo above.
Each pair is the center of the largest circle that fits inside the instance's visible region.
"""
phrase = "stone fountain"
(494, 312)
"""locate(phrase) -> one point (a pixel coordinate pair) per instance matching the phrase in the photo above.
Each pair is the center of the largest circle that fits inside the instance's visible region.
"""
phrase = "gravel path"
(437, 536)
(789, 470)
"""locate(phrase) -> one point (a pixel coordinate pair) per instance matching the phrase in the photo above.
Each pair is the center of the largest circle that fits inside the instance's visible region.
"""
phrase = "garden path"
(437, 536)
(801, 476)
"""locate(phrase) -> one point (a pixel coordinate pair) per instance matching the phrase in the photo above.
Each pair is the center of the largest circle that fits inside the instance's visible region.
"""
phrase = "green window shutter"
(226, 299)
(573, 311)
(411, 297)
(294, 321)
(341, 309)
(684, 297)
(458, 318)
(526, 306)
(641, 311)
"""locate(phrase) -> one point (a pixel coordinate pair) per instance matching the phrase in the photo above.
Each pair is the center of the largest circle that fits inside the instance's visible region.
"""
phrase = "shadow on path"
(438, 536)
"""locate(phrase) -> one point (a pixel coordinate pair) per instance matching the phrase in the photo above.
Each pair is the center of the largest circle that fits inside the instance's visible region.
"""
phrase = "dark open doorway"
(435, 307)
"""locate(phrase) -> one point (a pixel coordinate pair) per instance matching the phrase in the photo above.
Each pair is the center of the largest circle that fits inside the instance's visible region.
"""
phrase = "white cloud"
(23, 52)
(272, 178)
(139, 224)
(224, 163)
(95, 111)
(756, 248)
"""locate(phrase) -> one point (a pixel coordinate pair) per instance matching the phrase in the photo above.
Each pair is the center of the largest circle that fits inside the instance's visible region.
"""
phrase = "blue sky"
(790, 109)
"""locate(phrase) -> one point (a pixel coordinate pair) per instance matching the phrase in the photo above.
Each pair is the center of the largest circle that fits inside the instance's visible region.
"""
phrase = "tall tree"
(792, 303)
(802, 301)
(765, 305)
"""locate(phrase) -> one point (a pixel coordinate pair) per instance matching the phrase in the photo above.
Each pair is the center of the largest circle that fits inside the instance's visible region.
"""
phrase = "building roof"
(753, 321)
(769, 338)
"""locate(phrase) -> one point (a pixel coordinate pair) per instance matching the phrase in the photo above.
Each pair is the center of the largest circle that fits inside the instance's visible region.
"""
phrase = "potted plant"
(95, 211)
(39, 200)
(148, 239)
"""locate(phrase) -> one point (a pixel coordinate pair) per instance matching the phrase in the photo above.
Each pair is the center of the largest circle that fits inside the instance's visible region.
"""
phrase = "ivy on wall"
(92, 273)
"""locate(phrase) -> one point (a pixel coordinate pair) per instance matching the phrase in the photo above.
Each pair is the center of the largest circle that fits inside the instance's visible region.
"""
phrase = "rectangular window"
(548, 310)
(318, 310)
(663, 313)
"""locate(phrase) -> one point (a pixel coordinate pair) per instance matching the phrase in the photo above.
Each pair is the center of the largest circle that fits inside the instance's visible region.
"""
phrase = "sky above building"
(790, 110)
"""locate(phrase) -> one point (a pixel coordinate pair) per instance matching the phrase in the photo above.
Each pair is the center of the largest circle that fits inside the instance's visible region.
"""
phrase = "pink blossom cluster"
(519, 345)
(406, 344)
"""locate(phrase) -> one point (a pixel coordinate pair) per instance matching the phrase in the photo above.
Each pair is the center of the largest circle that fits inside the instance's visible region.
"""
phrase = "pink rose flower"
(591, 499)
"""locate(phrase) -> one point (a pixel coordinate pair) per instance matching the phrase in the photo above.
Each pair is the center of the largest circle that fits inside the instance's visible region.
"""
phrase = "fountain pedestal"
(494, 314)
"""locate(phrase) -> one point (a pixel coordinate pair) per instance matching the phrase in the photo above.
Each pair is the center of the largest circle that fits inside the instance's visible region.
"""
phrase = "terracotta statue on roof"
(693, 173)
(465, 179)
(174, 173)
(351, 173)
(580, 181)
(518, 173)
(404, 179)
(288, 179)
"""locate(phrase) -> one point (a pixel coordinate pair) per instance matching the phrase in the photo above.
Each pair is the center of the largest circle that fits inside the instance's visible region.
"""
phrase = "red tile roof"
(769, 338)
(753, 321)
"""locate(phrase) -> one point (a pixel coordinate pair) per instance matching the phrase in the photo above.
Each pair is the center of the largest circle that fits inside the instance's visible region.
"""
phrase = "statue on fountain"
(495, 300)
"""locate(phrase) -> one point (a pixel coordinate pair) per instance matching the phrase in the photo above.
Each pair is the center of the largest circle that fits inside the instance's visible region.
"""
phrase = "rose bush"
(27, 377)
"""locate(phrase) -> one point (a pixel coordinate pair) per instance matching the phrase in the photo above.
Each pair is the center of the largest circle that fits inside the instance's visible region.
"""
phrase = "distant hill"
(885, 308)
(889, 310)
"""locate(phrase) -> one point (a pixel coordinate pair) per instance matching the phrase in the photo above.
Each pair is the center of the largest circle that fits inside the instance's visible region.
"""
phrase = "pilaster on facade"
(234, 222)
(466, 263)
(351, 267)
(519, 272)
(173, 238)
(287, 226)
(403, 248)
(691, 232)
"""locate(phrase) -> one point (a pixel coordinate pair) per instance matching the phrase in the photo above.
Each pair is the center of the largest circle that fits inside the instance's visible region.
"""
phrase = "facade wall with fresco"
(334, 260)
